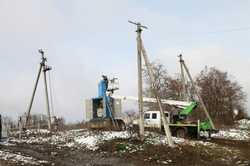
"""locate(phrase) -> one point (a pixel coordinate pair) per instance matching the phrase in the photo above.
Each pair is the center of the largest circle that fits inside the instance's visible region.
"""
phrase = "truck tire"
(121, 125)
(181, 133)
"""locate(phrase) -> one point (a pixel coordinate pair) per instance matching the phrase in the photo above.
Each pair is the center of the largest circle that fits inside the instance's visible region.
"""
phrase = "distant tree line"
(223, 96)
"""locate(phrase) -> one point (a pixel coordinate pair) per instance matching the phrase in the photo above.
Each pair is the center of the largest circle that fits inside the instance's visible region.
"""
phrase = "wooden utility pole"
(43, 67)
(141, 51)
(196, 91)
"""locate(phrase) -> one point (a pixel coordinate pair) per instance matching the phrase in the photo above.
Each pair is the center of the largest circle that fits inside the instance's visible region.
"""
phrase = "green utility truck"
(179, 122)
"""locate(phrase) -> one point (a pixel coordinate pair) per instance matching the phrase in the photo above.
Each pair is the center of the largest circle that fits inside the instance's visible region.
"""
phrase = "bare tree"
(221, 95)
(167, 86)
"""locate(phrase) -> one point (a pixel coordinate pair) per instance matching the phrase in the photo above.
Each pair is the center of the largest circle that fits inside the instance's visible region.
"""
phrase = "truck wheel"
(121, 125)
(181, 133)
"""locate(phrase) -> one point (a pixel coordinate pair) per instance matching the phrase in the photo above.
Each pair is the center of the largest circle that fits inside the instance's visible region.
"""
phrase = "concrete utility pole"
(184, 95)
(196, 91)
(43, 67)
(139, 70)
(141, 50)
(157, 96)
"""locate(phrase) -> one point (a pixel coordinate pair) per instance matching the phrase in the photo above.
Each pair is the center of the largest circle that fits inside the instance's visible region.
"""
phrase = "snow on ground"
(206, 145)
(159, 139)
(241, 132)
(91, 139)
(156, 138)
(83, 138)
(6, 143)
(39, 131)
(17, 158)
(244, 124)
(73, 138)
(234, 134)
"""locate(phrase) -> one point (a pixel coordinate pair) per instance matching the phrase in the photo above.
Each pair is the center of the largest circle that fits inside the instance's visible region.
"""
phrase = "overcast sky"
(85, 39)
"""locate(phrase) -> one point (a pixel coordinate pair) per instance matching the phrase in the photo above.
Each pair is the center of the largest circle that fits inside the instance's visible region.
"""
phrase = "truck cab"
(152, 119)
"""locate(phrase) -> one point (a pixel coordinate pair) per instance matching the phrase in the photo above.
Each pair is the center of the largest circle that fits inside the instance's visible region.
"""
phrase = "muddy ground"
(60, 156)
(225, 152)
(126, 152)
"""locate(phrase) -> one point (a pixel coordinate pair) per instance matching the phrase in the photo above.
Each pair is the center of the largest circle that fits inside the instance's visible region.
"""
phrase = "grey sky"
(85, 39)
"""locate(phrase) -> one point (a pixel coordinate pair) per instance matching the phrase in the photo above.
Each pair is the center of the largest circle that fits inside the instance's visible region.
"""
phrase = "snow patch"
(73, 138)
(5, 155)
(6, 143)
(244, 124)
(235, 134)
(156, 138)
(91, 140)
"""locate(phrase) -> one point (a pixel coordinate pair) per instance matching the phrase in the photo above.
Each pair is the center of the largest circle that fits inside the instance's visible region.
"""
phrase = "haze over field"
(85, 39)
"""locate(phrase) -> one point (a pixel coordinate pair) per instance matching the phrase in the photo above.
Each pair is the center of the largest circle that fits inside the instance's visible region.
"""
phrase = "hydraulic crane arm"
(180, 104)
(188, 110)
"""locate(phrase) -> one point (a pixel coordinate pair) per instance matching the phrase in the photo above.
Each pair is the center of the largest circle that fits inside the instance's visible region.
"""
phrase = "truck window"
(154, 116)
(146, 116)
(166, 114)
